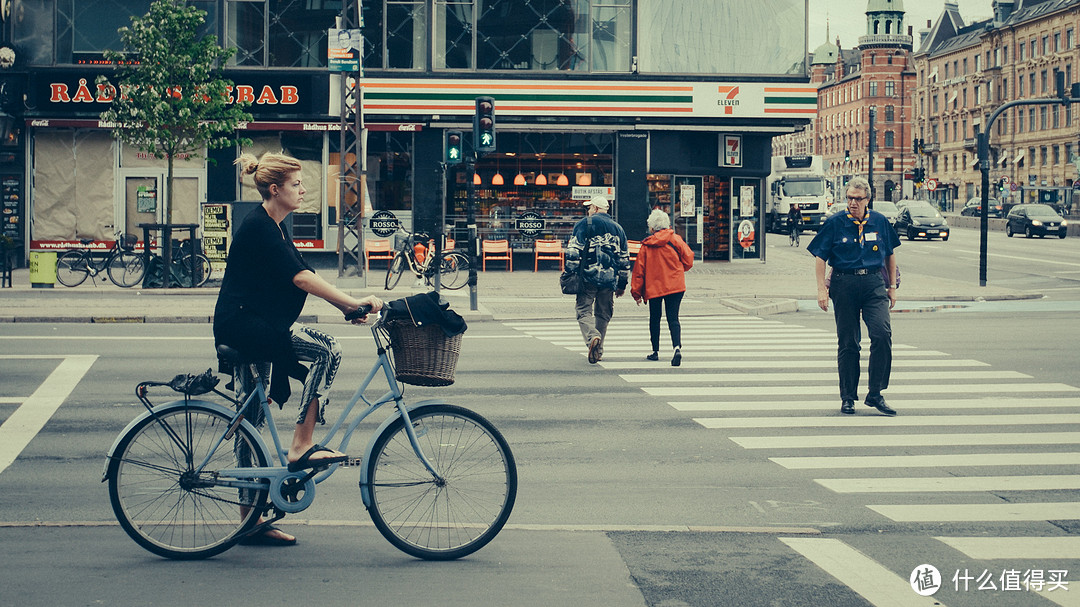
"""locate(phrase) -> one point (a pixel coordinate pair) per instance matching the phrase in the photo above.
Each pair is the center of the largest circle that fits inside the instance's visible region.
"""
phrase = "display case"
(497, 208)
(659, 192)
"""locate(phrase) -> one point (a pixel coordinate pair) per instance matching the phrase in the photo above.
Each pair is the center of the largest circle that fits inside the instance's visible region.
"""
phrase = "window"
(1042, 78)
(1068, 152)
(1068, 39)
(890, 113)
(965, 66)
(1046, 45)
(935, 104)
(1031, 119)
(871, 89)
(1020, 52)
(890, 139)
(77, 30)
(1020, 121)
(1042, 155)
(1004, 55)
(1055, 118)
(946, 70)
(964, 96)
(1057, 43)
(889, 165)
(1042, 118)
(1031, 81)
(1033, 55)
(278, 33)
(890, 89)
(1020, 86)
(1056, 151)
(977, 63)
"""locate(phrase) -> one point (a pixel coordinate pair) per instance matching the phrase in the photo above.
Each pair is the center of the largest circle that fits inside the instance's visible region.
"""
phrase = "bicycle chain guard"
(293, 492)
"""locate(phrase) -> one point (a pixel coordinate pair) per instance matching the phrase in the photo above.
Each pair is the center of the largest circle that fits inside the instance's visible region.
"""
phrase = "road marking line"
(981, 513)
(875, 420)
(823, 363)
(928, 461)
(831, 405)
(827, 391)
(859, 572)
(948, 484)
(25, 422)
(829, 441)
(11, 400)
(1015, 548)
(666, 376)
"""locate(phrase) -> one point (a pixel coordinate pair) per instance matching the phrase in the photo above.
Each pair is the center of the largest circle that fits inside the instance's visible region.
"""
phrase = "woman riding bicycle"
(262, 294)
(795, 222)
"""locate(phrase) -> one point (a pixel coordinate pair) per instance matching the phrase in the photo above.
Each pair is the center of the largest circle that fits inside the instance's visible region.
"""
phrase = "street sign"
(1005, 178)
(931, 184)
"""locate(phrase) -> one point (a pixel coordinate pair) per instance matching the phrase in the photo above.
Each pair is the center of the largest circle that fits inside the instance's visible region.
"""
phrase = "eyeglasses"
(856, 198)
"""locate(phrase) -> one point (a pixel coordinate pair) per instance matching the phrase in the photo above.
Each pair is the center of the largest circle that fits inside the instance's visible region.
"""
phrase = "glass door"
(686, 210)
(146, 193)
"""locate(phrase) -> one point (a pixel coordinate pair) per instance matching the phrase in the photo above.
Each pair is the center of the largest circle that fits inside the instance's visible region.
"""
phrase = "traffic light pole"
(470, 221)
(983, 142)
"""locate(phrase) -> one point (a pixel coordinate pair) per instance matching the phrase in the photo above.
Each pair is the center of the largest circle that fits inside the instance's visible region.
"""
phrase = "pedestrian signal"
(453, 147)
(484, 125)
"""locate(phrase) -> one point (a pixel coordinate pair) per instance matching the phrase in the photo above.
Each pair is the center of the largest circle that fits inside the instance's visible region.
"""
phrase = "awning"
(1019, 157)
(1004, 157)
(975, 162)
(952, 97)
(933, 74)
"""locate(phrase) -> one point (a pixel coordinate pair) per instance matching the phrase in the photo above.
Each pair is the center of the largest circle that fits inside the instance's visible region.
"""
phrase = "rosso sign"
(529, 224)
(383, 223)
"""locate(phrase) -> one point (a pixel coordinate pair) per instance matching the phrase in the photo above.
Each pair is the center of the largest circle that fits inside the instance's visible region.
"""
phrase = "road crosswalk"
(771, 386)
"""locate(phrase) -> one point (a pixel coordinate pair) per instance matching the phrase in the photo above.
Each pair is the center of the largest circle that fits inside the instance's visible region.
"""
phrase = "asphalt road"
(640, 484)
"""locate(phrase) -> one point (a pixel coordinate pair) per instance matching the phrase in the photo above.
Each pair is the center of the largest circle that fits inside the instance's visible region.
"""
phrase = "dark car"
(1035, 219)
(921, 220)
(973, 208)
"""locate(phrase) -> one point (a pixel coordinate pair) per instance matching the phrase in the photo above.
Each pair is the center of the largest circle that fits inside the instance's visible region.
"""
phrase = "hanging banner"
(343, 50)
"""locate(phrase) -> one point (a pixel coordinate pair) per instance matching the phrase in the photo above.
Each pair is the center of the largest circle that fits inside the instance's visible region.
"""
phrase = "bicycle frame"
(273, 478)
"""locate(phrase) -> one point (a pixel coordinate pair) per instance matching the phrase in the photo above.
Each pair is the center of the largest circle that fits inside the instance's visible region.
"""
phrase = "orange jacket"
(660, 264)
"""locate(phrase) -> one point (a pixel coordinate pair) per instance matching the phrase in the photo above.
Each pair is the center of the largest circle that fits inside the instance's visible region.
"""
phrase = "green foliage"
(173, 99)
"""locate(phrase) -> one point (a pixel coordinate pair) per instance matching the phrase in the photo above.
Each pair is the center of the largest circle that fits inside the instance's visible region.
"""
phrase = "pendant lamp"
(498, 178)
(519, 179)
(541, 179)
(476, 179)
(562, 180)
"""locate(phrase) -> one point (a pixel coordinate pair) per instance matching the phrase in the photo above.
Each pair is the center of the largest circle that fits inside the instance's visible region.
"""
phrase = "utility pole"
(350, 244)
(1064, 97)
(870, 170)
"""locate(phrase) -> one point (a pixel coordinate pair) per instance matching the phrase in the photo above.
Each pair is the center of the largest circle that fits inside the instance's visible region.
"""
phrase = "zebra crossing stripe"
(830, 391)
(723, 378)
(823, 363)
(1015, 548)
(872, 581)
(851, 462)
(936, 484)
(980, 513)
(907, 405)
(831, 441)
(874, 420)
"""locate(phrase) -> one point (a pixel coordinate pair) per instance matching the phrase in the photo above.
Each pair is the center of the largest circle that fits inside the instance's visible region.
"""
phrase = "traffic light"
(484, 125)
(918, 175)
(454, 151)
(847, 155)
(1059, 86)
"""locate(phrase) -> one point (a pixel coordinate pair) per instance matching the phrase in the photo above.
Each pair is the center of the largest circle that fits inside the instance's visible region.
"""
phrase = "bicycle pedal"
(356, 461)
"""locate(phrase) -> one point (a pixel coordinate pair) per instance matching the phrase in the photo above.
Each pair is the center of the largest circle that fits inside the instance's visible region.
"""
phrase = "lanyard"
(861, 225)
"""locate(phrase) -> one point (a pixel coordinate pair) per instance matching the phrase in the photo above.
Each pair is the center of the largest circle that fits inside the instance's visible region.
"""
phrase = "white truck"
(796, 180)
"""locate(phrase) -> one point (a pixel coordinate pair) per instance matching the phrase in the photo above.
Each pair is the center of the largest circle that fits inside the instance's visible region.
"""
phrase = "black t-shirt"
(259, 274)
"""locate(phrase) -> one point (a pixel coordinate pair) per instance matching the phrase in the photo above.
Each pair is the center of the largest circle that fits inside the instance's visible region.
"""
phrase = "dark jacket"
(599, 252)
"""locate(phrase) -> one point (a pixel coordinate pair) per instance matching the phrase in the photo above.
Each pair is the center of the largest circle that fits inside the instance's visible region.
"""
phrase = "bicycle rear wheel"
(72, 268)
(455, 271)
(449, 518)
(396, 269)
(163, 504)
(126, 269)
(182, 270)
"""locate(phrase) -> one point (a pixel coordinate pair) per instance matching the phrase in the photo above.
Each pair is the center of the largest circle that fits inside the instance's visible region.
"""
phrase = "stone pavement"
(713, 287)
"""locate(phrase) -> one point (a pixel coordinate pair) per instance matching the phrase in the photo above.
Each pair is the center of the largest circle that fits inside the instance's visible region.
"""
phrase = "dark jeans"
(864, 296)
(671, 303)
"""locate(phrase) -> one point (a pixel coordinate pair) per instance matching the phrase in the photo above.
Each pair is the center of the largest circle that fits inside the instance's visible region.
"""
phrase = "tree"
(173, 100)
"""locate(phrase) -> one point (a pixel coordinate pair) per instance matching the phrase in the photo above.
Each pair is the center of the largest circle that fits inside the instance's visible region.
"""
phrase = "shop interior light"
(476, 179)
(519, 179)
(497, 179)
(541, 178)
(562, 180)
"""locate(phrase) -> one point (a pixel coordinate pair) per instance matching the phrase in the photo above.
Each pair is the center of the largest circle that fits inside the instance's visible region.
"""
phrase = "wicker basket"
(423, 356)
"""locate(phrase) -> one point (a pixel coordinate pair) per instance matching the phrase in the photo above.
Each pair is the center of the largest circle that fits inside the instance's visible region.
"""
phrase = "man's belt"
(857, 271)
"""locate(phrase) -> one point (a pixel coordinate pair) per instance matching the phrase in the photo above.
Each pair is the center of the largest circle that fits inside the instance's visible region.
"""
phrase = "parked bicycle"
(124, 267)
(184, 264)
(438, 480)
(414, 253)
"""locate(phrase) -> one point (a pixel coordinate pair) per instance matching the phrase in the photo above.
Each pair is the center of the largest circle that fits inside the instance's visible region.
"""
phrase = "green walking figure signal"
(484, 125)
(453, 147)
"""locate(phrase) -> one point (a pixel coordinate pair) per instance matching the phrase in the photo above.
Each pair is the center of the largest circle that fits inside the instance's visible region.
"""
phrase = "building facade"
(628, 98)
(966, 71)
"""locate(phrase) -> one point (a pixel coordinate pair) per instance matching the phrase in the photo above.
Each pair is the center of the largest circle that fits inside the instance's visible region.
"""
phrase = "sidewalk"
(713, 287)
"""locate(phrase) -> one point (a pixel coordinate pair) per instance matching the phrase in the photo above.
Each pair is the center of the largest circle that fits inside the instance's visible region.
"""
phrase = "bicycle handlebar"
(358, 313)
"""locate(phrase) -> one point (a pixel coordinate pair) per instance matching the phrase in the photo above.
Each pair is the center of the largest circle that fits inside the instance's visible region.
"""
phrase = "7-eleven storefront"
(699, 151)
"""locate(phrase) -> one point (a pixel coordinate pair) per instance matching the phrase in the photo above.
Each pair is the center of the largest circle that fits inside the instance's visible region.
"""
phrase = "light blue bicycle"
(439, 481)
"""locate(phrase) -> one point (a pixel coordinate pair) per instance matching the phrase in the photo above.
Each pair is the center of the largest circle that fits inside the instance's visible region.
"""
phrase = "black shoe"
(676, 360)
(653, 356)
(594, 350)
(847, 407)
(879, 404)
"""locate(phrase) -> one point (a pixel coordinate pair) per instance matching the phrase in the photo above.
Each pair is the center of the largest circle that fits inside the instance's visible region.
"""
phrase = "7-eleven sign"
(731, 149)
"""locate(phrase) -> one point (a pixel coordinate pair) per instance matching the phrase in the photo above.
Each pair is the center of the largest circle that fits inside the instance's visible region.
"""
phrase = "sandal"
(305, 462)
(263, 538)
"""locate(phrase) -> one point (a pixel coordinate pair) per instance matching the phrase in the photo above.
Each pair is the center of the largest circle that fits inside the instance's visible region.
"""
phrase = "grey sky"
(847, 18)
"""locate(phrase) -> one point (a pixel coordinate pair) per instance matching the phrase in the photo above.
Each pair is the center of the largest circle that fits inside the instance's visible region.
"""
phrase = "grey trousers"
(594, 308)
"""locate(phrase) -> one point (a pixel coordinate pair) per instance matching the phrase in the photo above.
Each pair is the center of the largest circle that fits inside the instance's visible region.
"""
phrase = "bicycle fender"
(365, 492)
(168, 408)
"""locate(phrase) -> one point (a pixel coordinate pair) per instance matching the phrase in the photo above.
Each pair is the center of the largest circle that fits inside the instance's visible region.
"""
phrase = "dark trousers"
(671, 303)
(864, 296)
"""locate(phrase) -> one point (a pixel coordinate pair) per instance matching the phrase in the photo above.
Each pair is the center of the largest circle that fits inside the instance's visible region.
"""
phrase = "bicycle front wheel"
(182, 270)
(126, 269)
(455, 271)
(451, 516)
(72, 268)
(396, 269)
(168, 508)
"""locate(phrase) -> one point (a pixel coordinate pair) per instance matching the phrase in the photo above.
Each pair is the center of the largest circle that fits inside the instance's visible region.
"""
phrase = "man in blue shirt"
(597, 248)
(858, 245)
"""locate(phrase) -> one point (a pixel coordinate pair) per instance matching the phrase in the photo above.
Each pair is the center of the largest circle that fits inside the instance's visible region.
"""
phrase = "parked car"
(888, 209)
(1032, 219)
(918, 219)
(973, 208)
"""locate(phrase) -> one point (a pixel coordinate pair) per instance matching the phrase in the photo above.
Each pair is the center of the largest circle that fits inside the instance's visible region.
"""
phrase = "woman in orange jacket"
(658, 279)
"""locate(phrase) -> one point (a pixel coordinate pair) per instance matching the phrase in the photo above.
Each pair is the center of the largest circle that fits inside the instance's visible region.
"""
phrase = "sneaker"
(676, 360)
(653, 356)
(594, 350)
